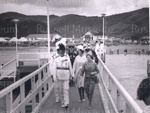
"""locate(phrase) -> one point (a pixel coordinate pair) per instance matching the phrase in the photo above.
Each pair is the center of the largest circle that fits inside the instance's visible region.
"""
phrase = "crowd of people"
(82, 70)
(126, 51)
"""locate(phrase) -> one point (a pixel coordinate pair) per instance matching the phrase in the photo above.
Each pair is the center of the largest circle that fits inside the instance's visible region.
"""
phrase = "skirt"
(79, 79)
(89, 85)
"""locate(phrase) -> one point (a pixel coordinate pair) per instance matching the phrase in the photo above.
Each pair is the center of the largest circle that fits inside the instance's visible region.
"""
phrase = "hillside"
(135, 23)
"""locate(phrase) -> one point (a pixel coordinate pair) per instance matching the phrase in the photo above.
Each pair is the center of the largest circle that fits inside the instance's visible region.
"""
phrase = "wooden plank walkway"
(75, 106)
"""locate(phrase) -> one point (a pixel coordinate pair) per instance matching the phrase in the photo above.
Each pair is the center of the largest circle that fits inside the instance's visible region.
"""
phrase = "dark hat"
(61, 47)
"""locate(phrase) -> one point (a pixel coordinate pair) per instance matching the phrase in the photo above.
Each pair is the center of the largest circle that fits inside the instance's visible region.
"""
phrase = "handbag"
(96, 79)
(72, 83)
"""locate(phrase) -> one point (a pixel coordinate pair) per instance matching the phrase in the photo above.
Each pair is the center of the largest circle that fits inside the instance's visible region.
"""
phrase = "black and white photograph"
(74, 56)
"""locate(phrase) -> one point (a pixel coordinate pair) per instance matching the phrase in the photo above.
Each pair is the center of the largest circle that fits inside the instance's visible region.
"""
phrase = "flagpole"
(103, 15)
(16, 35)
(48, 28)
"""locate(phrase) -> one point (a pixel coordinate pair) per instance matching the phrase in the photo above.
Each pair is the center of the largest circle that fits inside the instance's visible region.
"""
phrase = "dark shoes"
(65, 106)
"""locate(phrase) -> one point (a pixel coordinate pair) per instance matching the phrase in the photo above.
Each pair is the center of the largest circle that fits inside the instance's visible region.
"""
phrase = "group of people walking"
(84, 72)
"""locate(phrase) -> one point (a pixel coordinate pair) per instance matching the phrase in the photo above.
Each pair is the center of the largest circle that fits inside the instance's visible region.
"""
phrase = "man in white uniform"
(63, 74)
(53, 74)
(53, 71)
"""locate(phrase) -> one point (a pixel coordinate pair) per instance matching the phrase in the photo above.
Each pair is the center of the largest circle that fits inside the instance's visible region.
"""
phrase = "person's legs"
(90, 99)
(61, 94)
(87, 90)
(66, 92)
(80, 93)
(56, 90)
(91, 91)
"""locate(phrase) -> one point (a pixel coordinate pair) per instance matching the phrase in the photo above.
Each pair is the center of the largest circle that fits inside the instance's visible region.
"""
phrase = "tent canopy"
(3, 40)
(22, 39)
(14, 39)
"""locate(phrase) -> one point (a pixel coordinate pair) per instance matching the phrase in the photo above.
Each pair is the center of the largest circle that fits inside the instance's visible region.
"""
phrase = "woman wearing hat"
(90, 70)
(78, 63)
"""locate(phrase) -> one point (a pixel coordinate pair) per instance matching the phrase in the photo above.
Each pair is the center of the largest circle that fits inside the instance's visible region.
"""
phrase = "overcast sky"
(80, 7)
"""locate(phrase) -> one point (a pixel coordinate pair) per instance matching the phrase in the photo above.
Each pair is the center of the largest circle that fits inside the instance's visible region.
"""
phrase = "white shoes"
(83, 100)
(57, 100)
(63, 105)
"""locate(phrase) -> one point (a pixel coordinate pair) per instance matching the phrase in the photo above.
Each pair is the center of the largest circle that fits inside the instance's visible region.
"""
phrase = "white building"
(42, 37)
(93, 36)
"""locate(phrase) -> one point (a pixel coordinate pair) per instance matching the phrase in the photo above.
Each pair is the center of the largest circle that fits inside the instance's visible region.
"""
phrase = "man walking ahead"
(63, 74)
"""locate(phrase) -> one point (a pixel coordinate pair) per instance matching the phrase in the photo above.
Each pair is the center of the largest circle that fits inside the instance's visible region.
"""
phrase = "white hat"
(80, 47)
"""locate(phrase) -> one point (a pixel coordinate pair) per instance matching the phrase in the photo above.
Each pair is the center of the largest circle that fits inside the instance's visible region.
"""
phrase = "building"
(6, 38)
(93, 36)
(42, 37)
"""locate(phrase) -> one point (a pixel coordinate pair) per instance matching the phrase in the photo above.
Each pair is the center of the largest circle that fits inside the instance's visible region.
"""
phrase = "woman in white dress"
(78, 63)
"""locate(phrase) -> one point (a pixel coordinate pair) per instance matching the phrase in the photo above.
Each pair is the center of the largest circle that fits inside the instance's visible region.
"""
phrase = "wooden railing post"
(110, 85)
(40, 90)
(9, 100)
(33, 83)
(39, 78)
(22, 94)
(128, 109)
(45, 88)
(33, 88)
(49, 81)
(119, 102)
(40, 94)
(1, 69)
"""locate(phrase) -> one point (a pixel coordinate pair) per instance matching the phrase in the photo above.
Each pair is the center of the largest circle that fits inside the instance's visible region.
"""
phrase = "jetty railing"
(8, 70)
(115, 98)
(20, 95)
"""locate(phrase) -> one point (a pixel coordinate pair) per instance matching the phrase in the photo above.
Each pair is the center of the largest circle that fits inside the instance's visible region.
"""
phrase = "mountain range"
(134, 23)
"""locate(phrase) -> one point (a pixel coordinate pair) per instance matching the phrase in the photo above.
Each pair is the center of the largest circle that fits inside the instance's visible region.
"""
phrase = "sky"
(64, 7)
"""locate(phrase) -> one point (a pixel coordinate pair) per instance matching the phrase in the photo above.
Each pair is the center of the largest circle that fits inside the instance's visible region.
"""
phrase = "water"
(129, 70)
(9, 53)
